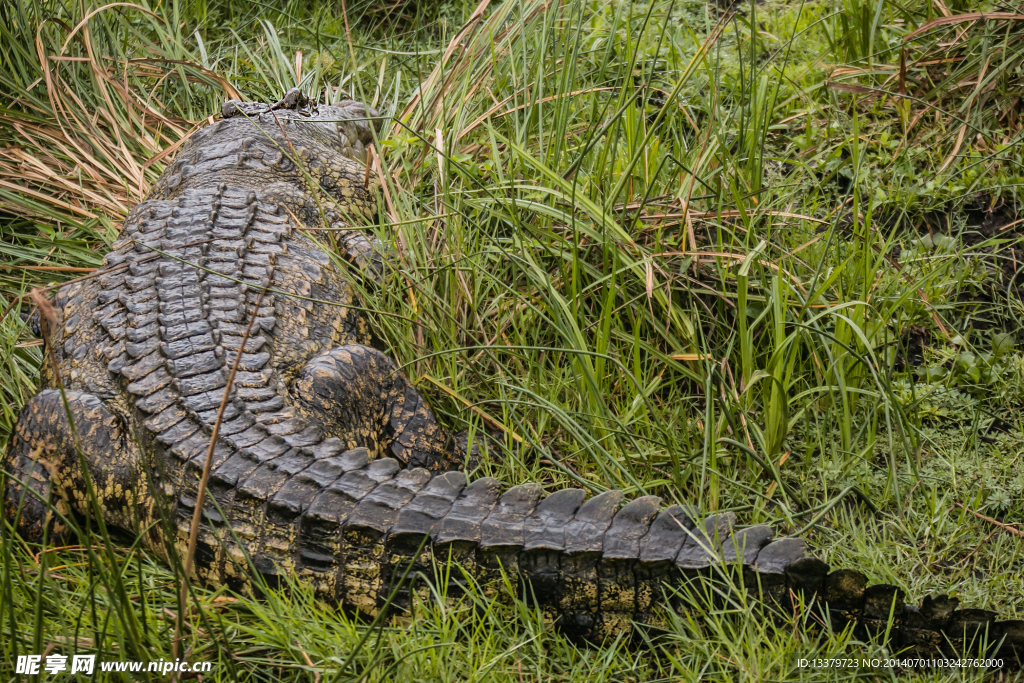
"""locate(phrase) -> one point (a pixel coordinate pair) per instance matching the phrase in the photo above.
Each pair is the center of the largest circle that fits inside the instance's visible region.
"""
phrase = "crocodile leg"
(42, 454)
(356, 393)
(26, 487)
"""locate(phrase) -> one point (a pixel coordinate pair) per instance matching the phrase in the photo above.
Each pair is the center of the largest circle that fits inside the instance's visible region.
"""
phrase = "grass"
(745, 258)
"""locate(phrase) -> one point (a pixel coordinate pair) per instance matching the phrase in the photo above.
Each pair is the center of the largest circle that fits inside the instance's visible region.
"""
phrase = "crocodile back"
(234, 221)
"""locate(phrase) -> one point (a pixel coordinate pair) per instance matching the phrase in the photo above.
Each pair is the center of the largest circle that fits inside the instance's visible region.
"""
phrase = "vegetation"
(757, 257)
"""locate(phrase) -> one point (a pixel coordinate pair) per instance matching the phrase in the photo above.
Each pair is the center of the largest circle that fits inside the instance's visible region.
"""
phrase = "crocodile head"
(346, 127)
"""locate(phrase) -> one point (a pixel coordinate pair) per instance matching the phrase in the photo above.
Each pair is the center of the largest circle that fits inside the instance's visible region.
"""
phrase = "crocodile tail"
(597, 566)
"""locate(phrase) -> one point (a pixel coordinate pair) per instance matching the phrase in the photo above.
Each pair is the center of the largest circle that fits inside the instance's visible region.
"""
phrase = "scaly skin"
(328, 463)
(144, 350)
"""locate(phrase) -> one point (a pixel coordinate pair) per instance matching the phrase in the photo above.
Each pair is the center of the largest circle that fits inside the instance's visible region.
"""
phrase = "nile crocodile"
(327, 463)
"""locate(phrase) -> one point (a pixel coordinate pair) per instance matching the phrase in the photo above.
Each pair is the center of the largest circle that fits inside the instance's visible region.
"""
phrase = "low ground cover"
(635, 241)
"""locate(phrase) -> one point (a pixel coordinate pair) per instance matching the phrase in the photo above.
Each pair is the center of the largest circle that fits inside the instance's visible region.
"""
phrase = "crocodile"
(326, 464)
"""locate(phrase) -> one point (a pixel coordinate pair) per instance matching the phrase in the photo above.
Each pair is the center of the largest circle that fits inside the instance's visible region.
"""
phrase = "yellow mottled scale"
(278, 542)
(361, 576)
(236, 565)
(308, 328)
(324, 584)
(581, 581)
(363, 580)
(253, 516)
(452, 560)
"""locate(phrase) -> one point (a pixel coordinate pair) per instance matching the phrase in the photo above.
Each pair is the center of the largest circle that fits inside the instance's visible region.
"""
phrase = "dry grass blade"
(851, 88)
(207, 466)
(52, 269)
(1005, 527)
(46, 310)
(197, 514)
(963, 19)
(88, 152)
(431, 81)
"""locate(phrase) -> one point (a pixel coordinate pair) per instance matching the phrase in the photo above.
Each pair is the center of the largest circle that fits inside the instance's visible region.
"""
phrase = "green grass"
(806, 197)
